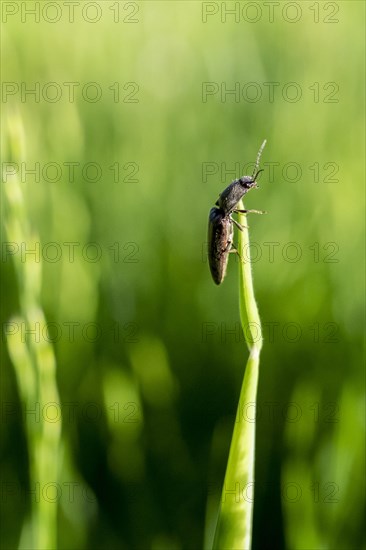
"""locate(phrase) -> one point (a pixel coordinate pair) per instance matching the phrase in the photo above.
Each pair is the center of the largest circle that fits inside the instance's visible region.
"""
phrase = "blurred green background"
(147, 352)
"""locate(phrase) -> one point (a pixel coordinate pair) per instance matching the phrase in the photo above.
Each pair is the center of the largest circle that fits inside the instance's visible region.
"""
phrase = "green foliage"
(146, 352)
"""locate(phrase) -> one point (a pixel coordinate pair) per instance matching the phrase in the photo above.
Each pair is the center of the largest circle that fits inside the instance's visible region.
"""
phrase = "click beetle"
(220, 221)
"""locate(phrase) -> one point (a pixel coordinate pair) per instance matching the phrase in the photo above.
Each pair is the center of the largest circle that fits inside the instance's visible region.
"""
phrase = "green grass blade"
(234, 528)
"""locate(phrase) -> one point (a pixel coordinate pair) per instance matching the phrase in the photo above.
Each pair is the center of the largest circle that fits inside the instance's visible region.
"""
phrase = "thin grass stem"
(234, 527)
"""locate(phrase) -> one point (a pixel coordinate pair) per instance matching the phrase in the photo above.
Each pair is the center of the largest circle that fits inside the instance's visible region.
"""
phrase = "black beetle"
(220, 221)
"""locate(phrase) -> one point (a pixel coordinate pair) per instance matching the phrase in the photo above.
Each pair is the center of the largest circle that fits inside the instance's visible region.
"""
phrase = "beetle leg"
(228, 247)
(234, 249)
(238, 225)
(250, 211)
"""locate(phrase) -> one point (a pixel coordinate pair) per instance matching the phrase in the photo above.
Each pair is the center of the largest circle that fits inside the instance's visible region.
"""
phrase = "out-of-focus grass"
(145, 484)
(34, 362)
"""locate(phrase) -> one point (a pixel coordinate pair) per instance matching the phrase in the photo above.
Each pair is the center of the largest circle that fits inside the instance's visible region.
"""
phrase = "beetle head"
(248, 182)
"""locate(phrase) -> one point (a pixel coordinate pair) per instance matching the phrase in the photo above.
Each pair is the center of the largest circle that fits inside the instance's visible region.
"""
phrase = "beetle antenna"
(257, 161)
(256, 175)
